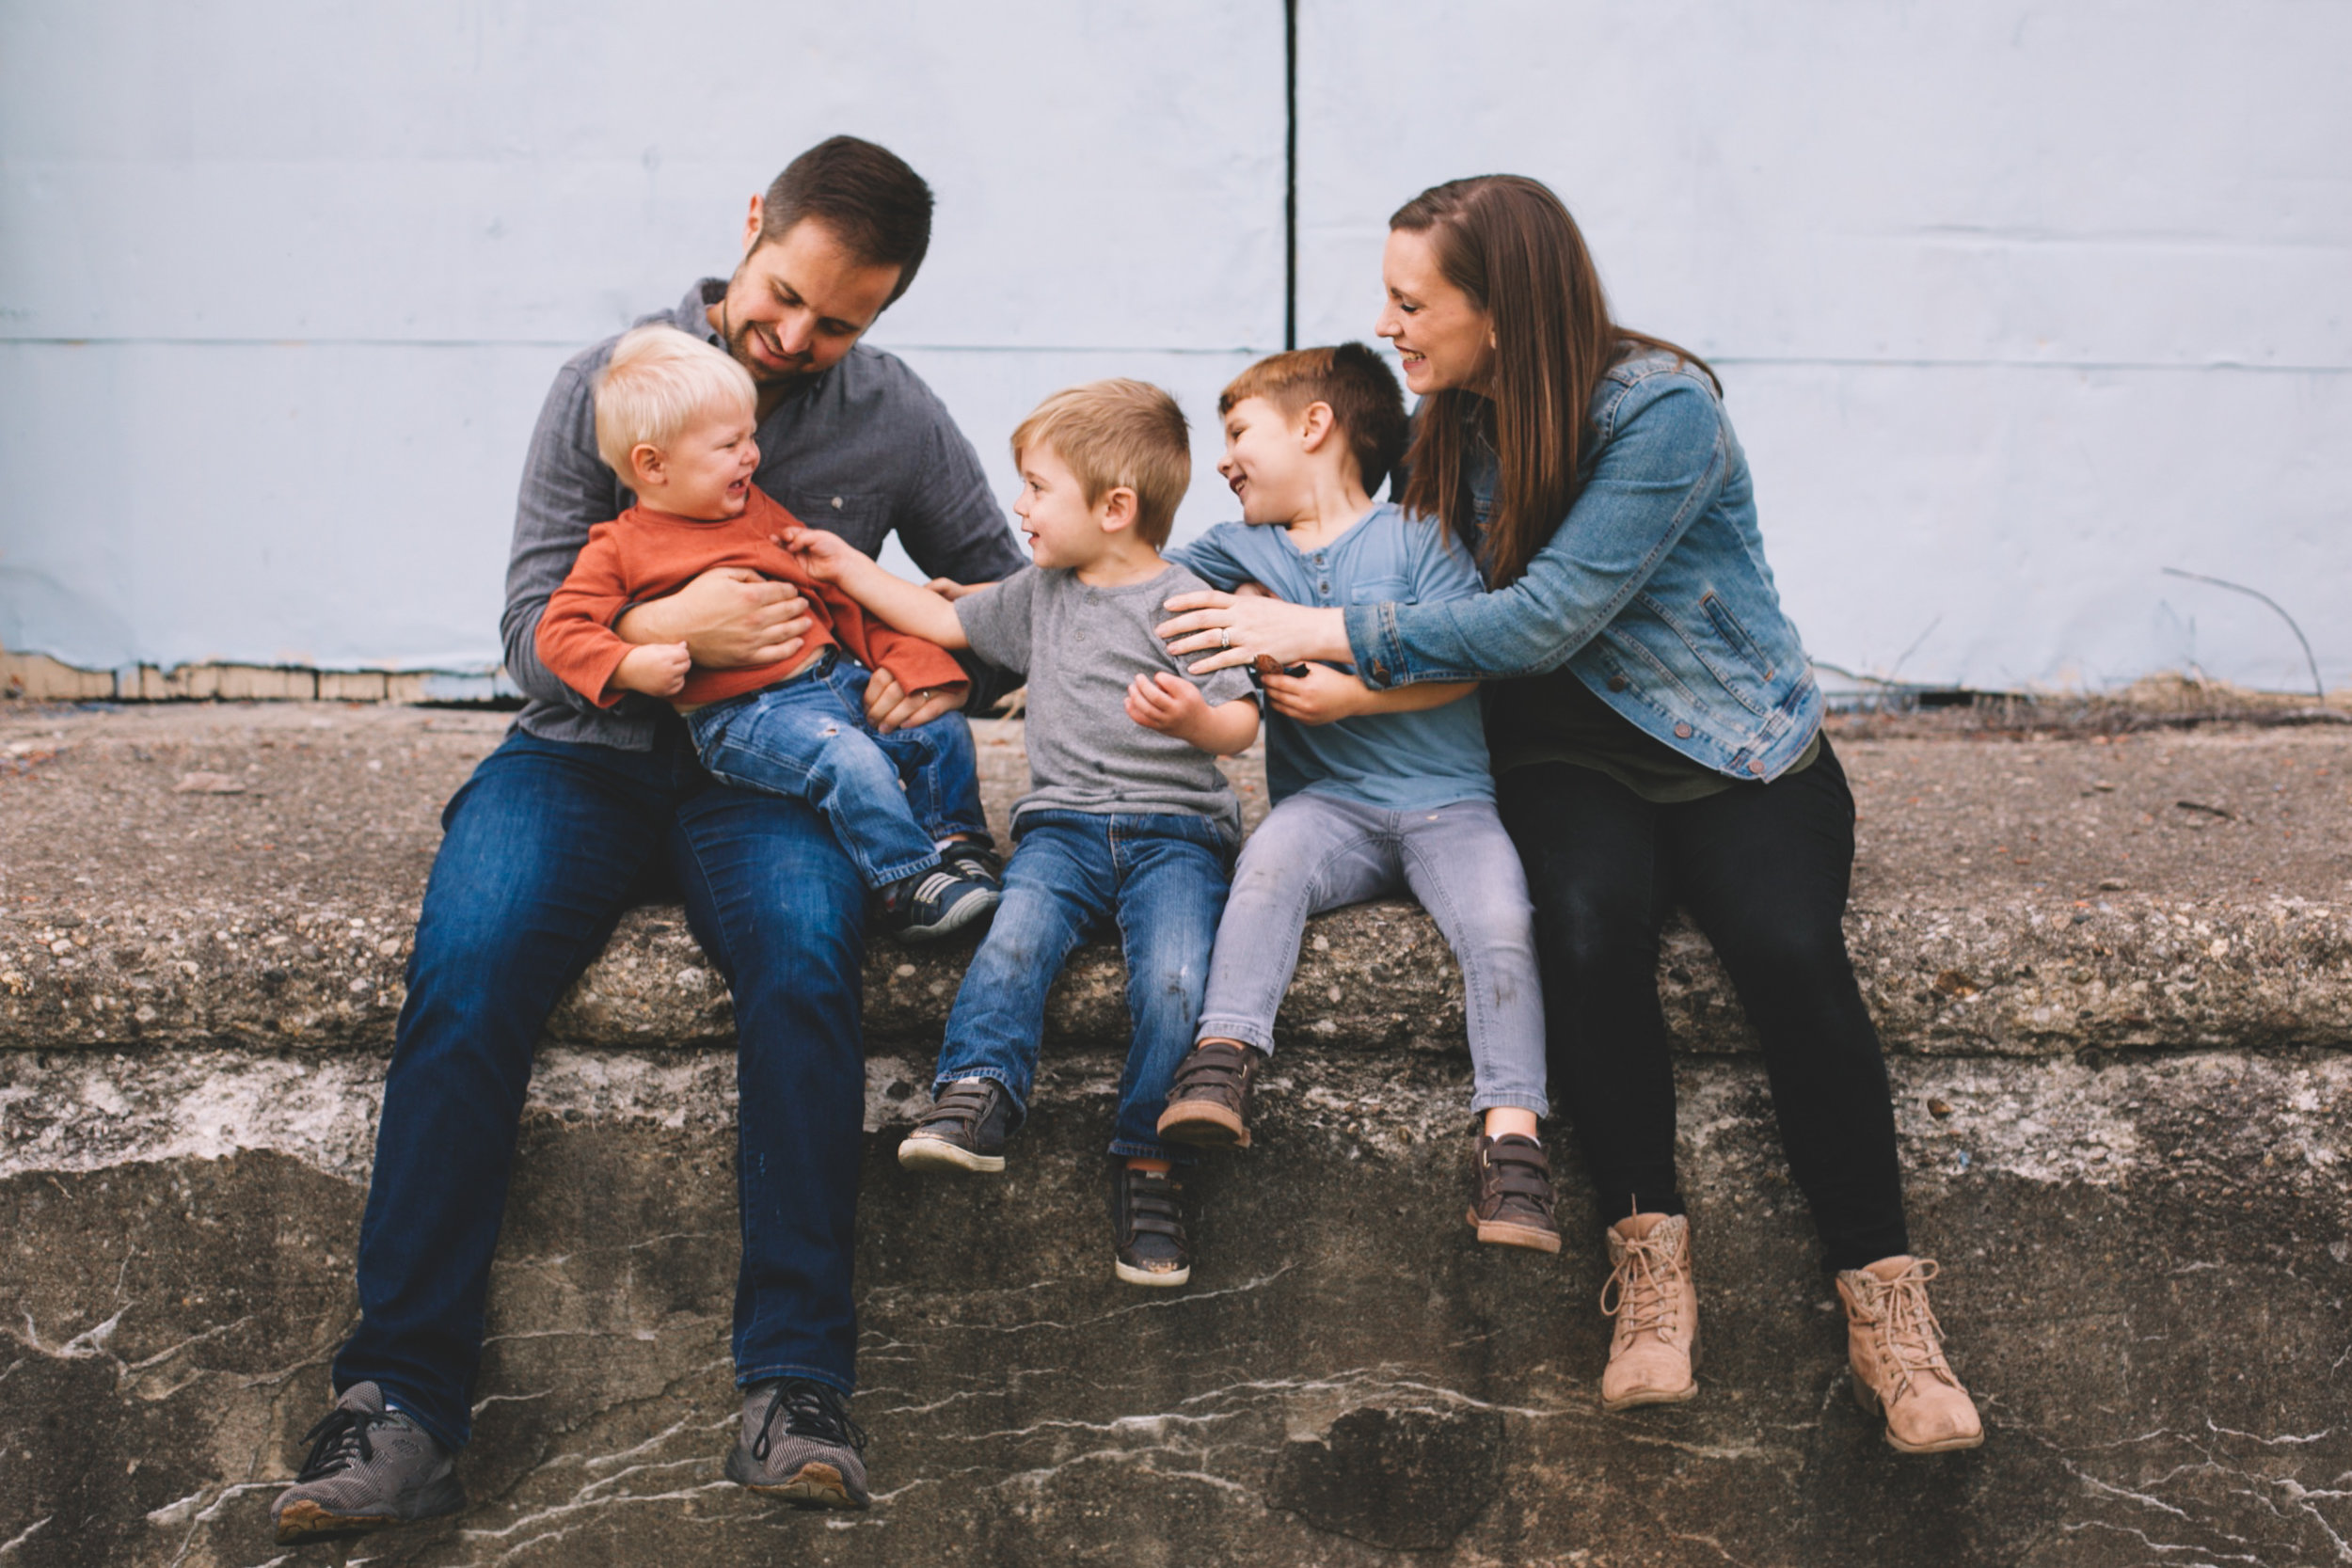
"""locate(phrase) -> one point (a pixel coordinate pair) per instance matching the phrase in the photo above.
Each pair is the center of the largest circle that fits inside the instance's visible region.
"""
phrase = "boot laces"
(340, 1440)
(1644, 1291)
(1909, 1338)
(810, 1410)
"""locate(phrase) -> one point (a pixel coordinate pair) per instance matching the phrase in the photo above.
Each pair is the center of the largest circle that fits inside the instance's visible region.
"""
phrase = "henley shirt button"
(837, 503)
(1618, 683)
(1682, 731)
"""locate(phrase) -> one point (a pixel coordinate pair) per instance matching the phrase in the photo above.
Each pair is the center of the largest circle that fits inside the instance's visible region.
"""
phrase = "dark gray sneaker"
(798, 1442)
(368, 1467)
(964, 1130)
(932, 906)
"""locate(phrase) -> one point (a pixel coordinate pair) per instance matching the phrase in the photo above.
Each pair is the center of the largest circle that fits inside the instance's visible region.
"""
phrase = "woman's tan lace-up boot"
(1897, 1348)
(1651, 1296)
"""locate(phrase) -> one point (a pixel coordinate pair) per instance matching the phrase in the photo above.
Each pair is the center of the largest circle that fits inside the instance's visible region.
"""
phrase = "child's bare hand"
(823, 556)
(950, 590)
(1320, 696)
(1167, 703)
(656, 669)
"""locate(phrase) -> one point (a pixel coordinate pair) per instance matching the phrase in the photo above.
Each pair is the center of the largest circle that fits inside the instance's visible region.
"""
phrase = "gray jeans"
(1315, 853)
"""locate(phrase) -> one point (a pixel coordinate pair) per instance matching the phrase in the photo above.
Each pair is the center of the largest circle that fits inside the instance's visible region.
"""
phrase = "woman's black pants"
(1764, 870)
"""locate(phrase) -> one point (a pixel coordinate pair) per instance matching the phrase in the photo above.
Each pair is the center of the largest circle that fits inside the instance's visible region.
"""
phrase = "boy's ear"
(1316, 426)
(1117, 509)
(645, 464)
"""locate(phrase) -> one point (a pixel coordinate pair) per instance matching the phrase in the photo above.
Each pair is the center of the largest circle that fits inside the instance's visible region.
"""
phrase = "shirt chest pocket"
(862, 519)
(1377, 590)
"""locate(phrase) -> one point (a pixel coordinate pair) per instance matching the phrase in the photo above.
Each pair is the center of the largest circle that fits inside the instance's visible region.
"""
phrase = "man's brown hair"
(1114, 432)
(1352, 381)
(866, 196)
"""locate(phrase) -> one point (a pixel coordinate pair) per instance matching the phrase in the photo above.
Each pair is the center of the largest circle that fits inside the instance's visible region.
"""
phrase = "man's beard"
(739, 348)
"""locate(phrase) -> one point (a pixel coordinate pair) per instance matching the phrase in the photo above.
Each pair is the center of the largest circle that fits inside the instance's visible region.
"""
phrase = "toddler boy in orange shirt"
(675, 419)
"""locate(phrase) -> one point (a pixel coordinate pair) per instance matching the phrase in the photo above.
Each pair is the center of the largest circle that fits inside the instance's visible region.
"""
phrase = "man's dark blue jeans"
(545, 847)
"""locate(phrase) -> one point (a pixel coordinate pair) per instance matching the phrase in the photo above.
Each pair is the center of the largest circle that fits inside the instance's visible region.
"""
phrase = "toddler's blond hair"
(656, 382)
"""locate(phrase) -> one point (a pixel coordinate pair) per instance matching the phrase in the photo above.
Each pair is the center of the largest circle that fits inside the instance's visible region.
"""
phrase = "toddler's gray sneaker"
(368, 1467)
(799, 1443)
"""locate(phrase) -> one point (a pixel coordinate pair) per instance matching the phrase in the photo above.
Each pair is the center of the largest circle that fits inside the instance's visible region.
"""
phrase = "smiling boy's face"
(1061, 528)
(1266, 462)
(706, 471)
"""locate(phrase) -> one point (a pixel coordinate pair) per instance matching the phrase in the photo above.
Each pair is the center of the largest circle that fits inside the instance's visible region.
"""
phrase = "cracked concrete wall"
(2146, 1271)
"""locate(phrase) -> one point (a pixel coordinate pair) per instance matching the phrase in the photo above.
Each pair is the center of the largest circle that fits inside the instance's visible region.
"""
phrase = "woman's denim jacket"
(1653, 591)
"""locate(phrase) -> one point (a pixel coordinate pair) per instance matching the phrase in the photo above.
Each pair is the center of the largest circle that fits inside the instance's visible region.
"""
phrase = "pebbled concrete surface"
(2126, 1131)
(2012, 895)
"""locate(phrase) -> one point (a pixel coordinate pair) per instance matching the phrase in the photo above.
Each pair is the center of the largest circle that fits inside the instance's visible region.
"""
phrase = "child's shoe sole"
(1157, 1279)
(1497, 1234)
(966, 918)
(1203, 1124)
(939, 1154)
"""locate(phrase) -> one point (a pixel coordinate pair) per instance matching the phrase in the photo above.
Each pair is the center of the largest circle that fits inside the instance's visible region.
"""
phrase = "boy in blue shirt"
(1375, 793)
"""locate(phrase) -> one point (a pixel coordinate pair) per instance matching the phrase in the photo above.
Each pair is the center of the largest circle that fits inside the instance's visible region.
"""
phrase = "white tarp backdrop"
(2017, 305)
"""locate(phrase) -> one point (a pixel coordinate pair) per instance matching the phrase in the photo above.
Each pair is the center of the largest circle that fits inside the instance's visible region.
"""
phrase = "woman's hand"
(1234, 629)
(890, 706)
(729, 617)
(1321, 696)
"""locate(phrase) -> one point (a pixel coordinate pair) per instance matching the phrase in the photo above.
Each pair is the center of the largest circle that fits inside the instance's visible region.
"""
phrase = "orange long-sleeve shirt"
(643, 554)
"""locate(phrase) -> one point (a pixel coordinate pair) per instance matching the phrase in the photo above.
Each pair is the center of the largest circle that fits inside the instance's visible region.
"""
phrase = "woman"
(1657, 734)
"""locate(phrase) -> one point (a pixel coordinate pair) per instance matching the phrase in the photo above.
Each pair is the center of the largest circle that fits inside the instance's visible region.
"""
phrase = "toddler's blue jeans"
(891, 799)
(1160, 879)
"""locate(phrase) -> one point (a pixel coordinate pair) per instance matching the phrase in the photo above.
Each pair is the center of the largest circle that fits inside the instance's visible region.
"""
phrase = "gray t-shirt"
(1080, 647)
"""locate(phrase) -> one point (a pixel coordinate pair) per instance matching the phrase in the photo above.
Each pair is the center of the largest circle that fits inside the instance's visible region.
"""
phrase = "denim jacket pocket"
(1727, 626)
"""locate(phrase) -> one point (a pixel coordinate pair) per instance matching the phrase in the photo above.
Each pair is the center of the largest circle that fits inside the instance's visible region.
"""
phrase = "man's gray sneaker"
(799, 1443)
(368, 1467)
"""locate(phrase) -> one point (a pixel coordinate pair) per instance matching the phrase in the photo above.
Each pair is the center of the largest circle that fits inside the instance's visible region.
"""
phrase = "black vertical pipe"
(1289, 174)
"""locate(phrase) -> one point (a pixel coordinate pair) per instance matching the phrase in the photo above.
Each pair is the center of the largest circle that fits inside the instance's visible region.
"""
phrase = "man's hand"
(657, 669)
(890, 706)
(728, 618)
(1321, 696)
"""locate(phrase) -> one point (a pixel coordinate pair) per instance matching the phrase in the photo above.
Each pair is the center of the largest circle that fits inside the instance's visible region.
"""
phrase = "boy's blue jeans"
(1162, 878)
(546, 846)
(891, 798)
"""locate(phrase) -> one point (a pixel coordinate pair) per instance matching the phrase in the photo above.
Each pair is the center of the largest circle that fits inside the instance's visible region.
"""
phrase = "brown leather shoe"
(1656, 1308)
(1897, 1349)
(1208, 1102)
(1511, 1193)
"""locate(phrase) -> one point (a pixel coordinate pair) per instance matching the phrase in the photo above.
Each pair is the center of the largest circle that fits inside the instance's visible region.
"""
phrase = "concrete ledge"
(204, 876)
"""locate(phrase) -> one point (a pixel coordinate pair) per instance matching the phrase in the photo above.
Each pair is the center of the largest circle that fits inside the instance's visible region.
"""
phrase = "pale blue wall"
(2017, 303)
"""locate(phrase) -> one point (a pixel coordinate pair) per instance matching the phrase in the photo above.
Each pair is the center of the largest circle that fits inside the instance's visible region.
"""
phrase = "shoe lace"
(339, 1440)
(1908, 1337)
(1643, 1292)
(810, 1410)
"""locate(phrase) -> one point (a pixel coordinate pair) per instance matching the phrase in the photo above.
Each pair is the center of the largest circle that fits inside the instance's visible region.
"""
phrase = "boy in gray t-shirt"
(1127, 823)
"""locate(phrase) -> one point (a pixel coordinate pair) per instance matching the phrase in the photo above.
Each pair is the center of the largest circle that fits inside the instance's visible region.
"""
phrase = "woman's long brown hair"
(1509, 244)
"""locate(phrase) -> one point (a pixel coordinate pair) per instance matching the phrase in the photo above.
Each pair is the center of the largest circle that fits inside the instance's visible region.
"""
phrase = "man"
(580, 807)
